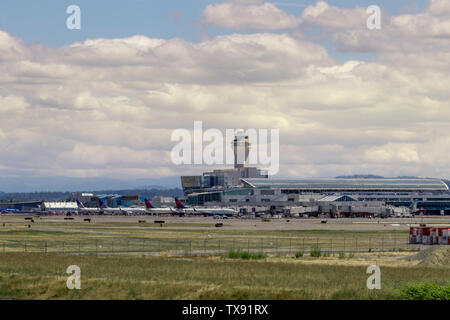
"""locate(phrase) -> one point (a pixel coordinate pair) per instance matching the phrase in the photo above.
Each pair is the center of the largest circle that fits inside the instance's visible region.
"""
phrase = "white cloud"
(439, 8)
(12, 105)
(332, 18)
(392, 153)
(11, 48)
(427, 31)
(108, 106)
(248, 15)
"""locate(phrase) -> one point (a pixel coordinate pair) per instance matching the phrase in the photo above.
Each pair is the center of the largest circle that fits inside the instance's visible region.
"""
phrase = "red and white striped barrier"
(429, 235)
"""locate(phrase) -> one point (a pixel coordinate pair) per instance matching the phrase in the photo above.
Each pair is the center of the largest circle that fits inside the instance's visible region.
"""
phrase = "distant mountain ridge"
(371, 176)
(360, 176)
(68, 184)
(64, 196)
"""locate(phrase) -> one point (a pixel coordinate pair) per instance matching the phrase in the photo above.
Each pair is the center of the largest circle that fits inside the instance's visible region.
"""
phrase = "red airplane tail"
(148, 204)
(179, 204)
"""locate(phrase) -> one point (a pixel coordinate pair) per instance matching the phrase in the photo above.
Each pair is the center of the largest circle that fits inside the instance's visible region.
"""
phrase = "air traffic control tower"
(241, 148)
(224, 179)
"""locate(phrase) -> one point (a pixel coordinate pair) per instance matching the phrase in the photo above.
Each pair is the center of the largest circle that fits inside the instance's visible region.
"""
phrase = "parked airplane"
(82, 208)
(151, 209)
(6, 210)
(205, 211)
(413, 208)
(120, 210)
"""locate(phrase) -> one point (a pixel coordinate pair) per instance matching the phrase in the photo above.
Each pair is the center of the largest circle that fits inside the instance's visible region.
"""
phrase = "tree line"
(66, 196)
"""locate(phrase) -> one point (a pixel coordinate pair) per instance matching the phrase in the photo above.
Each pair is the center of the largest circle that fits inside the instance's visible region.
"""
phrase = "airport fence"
(213, 246)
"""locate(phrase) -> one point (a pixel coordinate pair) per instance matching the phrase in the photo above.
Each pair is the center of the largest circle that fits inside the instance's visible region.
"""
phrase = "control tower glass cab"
(241, 147)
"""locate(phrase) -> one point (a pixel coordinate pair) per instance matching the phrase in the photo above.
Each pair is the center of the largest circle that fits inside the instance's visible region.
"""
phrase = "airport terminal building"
(249, 187)
(432, 195)
(320, 195)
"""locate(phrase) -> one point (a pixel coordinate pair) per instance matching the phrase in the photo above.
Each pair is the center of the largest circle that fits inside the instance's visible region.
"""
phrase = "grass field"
(191, 259)
(40, 276)
(66, 238)
(16, 229)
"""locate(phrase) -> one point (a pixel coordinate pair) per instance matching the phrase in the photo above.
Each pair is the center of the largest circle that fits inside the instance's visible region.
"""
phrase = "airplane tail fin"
(102, 204)
(413, 205)
(179, 204)
(148, 204)
(80, 205)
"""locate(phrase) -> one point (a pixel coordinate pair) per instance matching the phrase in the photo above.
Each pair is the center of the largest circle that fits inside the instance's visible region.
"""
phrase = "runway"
(207, 223)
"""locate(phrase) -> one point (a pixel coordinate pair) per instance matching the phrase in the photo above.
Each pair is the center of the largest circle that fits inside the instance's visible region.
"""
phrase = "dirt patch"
(387, 259)
(433, 256)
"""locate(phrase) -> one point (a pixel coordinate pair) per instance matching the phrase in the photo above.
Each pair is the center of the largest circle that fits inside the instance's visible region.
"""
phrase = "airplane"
(204, 211)
(151, 209)
(120, 210)
(82, 208)
(413, 208)
(6, 210)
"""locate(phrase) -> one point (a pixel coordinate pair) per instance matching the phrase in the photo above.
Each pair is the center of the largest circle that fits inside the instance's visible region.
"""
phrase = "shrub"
(315, 253)
(351, 255)
(259, 255)
(233, 254)
(342, 255)
(299, 254)
(426, 291)
(244, 255)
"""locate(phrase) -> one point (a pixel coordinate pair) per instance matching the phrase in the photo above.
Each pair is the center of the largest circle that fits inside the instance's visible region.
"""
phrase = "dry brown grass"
(133, 276)
(40, 276)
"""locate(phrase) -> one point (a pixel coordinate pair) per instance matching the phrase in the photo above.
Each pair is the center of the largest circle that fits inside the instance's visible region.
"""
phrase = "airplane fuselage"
(209, 211)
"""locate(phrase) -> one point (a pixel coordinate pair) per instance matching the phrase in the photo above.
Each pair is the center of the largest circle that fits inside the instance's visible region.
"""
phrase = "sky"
(101, 102)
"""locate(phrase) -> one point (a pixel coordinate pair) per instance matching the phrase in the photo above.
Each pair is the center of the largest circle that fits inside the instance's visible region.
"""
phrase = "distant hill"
(360, 176)
(64, 196)
(371, 176)
(68, 184)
